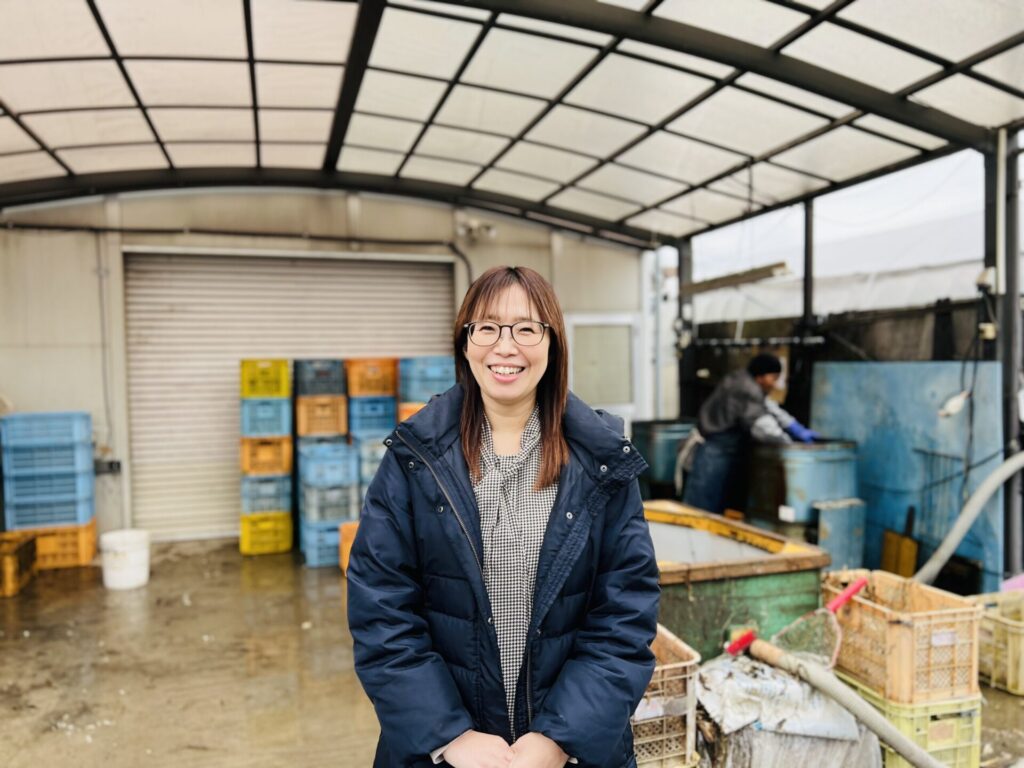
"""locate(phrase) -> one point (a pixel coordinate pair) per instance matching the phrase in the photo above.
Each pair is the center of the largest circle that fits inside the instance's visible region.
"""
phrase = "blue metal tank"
(787, 480)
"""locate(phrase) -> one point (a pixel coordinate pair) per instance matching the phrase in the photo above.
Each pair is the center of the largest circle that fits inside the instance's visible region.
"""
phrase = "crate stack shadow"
(266, 458)
(48, 493)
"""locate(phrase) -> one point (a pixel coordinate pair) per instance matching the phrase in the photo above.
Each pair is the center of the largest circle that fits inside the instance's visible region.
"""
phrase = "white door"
(191, 318)
(604, 362)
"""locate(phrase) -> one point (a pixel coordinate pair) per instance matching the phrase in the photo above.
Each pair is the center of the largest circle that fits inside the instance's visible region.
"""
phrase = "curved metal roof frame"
(618, 24)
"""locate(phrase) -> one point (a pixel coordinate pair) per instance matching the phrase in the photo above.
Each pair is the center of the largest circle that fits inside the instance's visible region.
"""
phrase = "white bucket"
(125, 558)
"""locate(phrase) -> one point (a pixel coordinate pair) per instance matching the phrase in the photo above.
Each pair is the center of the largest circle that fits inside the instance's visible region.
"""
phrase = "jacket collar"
(594, 436)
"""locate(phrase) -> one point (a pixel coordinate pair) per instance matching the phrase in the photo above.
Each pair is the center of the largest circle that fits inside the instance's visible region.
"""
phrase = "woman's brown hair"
(553, 389)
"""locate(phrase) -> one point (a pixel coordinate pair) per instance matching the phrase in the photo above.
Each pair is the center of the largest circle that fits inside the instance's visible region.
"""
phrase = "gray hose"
(968, 515)
(831, 686)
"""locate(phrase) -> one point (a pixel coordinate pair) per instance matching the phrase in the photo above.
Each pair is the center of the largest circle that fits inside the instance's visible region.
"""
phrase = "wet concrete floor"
(219, 661)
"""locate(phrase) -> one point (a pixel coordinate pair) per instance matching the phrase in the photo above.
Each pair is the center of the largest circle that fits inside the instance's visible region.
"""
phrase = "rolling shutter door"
(191, 319)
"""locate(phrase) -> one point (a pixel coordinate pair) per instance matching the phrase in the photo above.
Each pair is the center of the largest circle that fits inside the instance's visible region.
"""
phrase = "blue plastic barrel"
(659, 442)
(787, 480)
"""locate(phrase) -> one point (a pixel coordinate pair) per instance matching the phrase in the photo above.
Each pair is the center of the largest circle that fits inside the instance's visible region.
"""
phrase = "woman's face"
(508, 372)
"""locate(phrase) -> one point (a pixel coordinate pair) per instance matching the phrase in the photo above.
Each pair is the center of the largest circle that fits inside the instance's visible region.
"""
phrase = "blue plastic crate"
(319, 377)
(327, 464)
(319, 543)
(340, 503)
(371, 415)
(371, 454)
(420, 378)
(48, 487)
(266, 493)
(266, 417)
(42, 514)
(41, 459)
(18, 429)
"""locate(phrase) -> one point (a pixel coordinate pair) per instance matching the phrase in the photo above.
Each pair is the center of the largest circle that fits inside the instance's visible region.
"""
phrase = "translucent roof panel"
(483, 110)
(593, 204)
(212, 155)
(709, 206)
(899, 131)
(129, 157)
(630, 185)
(545, 162)
(843, 153)
(302, 30)
(1007, 67)
(101, 126)
(665, 223)
(382, 132)
(441, 171)
(297, 85)
(972, 100)
(63, 85)
(13, 139)
(398, 95)
(295, 125)
(515, 184)
(28, 31)
(460, 145)
(359, 160)
(427, 45)
(793, 95)
(180, 28)
(559, 30)
(576, 129)
(950, 28)
(647, 92)
(768, 184)
(753, 21)
(191, 83)
(859, 57)
(726, 119)
(293, 155)
(28, 165)
(683, 159)
(203, 124)
(452, 10)
(685, 60)
(525, 63)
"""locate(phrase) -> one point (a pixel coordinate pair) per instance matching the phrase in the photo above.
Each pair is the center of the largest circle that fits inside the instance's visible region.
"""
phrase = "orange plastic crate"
(405, 410)
(321, 415)
(17, 564)
(266, 455)
(372, 378)
(665, 722)
(60, 546)
(345, 541)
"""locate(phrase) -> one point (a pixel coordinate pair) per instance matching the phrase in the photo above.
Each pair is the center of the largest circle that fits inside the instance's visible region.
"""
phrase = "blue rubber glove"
(802, 434)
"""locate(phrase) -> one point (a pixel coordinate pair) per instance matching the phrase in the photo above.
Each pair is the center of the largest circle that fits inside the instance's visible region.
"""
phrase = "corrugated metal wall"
(191, 319)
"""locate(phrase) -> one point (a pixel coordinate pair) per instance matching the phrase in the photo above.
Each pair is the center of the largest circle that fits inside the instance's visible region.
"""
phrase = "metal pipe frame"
(808, 313)
(1011, 338)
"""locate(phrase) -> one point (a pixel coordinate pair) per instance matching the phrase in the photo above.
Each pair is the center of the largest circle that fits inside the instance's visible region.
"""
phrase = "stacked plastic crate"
(48, 485)
(266, 458)
(328, 468)
(420, 378)
(911, 651)
(373, 385)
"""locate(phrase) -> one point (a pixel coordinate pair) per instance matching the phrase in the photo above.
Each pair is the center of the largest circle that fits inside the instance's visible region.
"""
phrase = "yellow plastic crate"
(265, 378)
(1001, 640)
(60, 546)
(17, 564)
(664, 724)
(949, 731)
(265, 533)
(345, 541)
(407, 410)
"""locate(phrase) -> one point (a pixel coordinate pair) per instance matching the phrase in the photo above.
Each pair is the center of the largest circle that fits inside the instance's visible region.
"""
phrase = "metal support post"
(1010, 340)
(686, 334)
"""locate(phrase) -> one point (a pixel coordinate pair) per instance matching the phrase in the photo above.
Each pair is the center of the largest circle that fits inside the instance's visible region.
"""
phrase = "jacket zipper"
(455, 511)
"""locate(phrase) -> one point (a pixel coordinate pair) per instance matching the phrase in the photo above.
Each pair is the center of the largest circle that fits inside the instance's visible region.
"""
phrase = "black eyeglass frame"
(511, 330)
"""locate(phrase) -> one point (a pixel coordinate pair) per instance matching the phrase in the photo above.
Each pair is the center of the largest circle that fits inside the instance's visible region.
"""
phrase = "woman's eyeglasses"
(526, 333)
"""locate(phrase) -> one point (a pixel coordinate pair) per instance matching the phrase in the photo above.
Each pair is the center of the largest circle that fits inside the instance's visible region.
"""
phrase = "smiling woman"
(502, 588)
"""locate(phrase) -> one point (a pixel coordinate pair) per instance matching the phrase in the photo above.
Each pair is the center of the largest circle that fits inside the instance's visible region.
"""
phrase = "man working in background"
(739, 409)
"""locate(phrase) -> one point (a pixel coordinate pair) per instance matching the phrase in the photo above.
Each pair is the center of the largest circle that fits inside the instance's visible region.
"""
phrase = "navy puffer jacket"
(426, 651)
